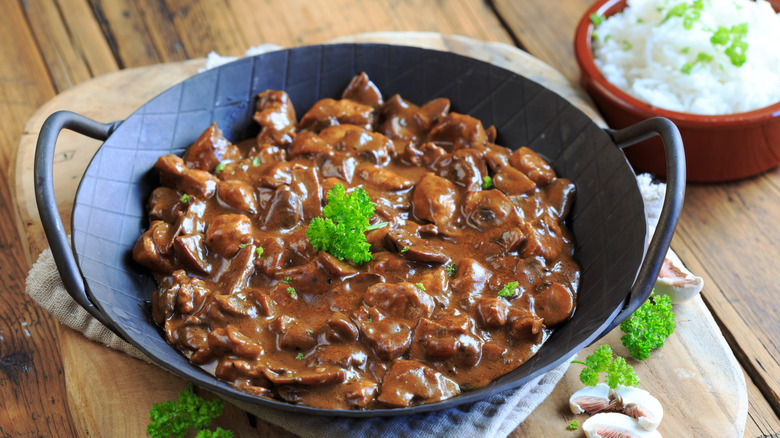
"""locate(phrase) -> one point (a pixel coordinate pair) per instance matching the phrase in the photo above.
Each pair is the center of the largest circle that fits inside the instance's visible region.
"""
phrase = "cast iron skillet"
(607, 218)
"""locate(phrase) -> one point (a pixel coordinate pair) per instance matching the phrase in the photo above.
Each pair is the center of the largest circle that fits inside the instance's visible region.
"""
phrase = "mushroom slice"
(639, 404)
(590, 399)
(615, 425)
(676, 280)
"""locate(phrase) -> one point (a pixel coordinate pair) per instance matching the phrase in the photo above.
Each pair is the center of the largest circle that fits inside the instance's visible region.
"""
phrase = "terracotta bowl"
(717, 148)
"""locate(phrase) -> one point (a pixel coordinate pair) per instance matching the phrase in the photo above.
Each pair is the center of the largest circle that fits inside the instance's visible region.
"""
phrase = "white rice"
(644, 54)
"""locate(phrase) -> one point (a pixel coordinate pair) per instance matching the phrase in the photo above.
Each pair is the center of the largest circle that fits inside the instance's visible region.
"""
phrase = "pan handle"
(47, 204)
(673, 202)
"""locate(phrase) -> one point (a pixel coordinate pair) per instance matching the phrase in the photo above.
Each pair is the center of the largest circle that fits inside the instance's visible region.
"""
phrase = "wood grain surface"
(727, 234)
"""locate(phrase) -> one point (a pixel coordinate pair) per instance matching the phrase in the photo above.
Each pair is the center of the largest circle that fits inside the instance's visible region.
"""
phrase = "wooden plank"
(744, 305)
(762, 420)
(162, 31)
(126, 32)
(205, 26)
(52, 35)
(299, 22)
(86, 37)
(549, 39)
(30, 367)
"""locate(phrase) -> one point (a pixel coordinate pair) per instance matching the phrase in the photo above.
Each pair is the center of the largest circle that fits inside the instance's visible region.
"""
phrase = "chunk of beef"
(322, 375)
(335, 266)
(246, 303)
(559, 196)
(183, 294)
(236, 276)
(227, 233)
(389, 337)
(543, 238)
(435, 199)
(193, 220)
(458, 131)
(343, 355)
(496, 156)
(307, 143)
(234, 370)
(450, 338)
(313, 278)
(389, 265)
(366, 146)
(341, 328)
(359, 394)
(470, 278)
(341, 166)
(238, 195)
(190, 251)
(402, 300)
(164, 205)
(512, 181)
(331, 112)
(415, 248)
(383, 179)
(409, 381)
(488, 209)
(264, 154)
(152, 249)
(406, 121)
(492, 311)
(298, 336)
(435, 157)
(175, 174)
(524, 325)
(467, 168)
(512, 239)
(276, 117)
(209, 149)
(285, 210)
(306, 184)
(363, 91)
(276, 175)
(531, 164)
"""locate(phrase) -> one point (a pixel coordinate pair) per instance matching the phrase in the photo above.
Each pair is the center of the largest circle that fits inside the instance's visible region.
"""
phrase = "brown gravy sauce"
(243, 293)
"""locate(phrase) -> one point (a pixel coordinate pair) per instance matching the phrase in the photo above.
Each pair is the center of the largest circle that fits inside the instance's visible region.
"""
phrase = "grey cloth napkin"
(494, 417)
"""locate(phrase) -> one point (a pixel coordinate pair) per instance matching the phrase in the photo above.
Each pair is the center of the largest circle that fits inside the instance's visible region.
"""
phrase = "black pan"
(607, 218)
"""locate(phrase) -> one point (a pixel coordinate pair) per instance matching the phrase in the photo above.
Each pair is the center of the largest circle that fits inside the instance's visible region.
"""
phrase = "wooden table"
(48, 46)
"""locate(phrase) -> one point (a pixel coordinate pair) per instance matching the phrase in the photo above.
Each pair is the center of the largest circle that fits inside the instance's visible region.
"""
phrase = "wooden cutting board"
(695, 375)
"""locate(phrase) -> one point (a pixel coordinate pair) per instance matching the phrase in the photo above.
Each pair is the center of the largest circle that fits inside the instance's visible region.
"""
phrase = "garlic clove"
(638, 404)
(615, 425)
(590, 399)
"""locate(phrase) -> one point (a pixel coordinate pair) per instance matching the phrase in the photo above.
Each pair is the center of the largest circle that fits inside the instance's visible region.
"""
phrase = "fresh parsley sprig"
(175, 418)
(618, 372)
(648, 327)
(341, 228)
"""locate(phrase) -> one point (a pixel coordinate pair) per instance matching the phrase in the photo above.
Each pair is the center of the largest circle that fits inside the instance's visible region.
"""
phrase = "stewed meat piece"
(458, 131)
(362, 90)
(409, 381)
(436, 199)
(276, 117)
(209, 149)
(228, 233)
(530, 163)
(330, 112)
